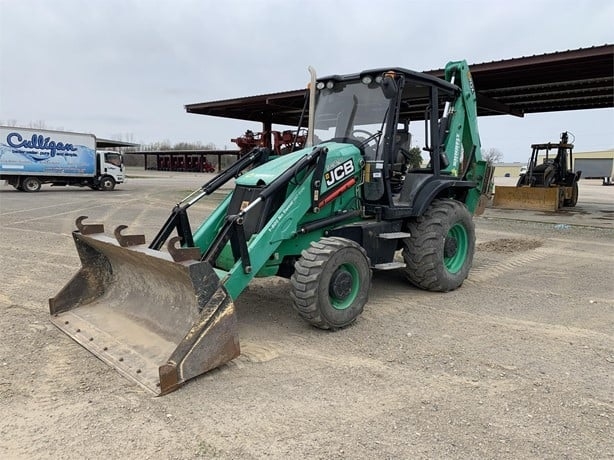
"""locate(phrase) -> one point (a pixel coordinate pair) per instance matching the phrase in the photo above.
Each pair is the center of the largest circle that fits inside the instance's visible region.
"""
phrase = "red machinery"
(288, 141)
(183, 162)
(283, 141)
(248, 141)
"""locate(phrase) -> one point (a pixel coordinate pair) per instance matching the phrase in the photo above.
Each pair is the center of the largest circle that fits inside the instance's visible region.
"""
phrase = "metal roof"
(565, 80)
(109, 143)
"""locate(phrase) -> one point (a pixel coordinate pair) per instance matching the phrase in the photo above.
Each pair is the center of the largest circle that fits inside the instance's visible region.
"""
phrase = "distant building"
(503, 169)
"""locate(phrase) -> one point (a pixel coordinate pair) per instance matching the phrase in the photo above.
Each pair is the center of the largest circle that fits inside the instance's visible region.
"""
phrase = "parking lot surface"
(517, 363)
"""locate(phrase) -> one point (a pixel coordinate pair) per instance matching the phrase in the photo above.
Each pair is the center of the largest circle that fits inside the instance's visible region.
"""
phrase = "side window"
(113, 158)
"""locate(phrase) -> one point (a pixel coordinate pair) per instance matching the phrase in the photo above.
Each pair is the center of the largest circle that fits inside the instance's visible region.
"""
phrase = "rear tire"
(570, 203)
(107, 184)
(30, 184)
(439, 253)
(331, 282)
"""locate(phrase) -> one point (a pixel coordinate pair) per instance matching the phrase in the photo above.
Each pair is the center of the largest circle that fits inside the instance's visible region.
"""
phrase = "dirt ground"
(517, 363)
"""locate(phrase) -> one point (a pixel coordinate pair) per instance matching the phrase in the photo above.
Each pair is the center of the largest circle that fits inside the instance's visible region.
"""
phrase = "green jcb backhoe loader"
(325, 217)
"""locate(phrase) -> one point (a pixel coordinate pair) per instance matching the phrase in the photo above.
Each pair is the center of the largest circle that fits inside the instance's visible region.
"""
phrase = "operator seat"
(400, 164)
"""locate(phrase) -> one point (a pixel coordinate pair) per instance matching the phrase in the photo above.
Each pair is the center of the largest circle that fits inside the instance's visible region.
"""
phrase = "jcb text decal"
(339, 172)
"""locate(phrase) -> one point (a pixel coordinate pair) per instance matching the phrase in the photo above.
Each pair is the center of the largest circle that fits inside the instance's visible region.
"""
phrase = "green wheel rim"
(346, 301)
(455, 261)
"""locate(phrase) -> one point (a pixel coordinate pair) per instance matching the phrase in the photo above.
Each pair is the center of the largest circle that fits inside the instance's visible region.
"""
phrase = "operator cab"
(372, 110)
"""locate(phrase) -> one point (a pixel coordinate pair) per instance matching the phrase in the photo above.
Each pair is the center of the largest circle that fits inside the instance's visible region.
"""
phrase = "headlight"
(320, 85)
(330, 84)
(367, 79)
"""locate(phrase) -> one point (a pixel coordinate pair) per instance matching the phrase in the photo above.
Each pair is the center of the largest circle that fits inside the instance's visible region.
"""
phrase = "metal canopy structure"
(567, 80)
(109, 143)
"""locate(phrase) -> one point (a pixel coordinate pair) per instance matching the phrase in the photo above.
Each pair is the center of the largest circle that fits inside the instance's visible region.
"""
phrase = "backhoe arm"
(462, 140)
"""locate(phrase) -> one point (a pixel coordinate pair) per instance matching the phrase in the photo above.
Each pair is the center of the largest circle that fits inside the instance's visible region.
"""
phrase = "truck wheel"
(331, 283)
(30, 184)
(107, 183)
(571, 202)
(439, 254)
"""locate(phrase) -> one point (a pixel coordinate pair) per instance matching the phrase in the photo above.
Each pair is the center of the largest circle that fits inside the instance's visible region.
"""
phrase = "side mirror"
(389, 87)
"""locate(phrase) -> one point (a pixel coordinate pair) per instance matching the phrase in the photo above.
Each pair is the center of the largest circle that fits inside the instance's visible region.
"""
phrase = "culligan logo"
(39, 142)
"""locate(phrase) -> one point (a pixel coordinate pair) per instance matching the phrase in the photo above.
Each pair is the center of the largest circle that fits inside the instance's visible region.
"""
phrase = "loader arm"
(308, 206)
(302, 186)
(281, 227)
(178, 220)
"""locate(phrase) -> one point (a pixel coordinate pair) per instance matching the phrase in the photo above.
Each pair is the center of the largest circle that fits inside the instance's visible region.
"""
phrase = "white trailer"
(32, 157)
(596, 168)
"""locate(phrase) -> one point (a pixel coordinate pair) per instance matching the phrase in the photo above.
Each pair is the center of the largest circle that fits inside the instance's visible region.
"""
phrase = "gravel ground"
(517, 363)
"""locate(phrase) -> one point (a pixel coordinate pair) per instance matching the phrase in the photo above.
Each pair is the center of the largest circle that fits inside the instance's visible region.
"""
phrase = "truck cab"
(111, 170)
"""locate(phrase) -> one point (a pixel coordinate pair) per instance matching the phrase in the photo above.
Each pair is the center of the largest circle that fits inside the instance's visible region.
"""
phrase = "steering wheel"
(365, 148)
(361, 131)
(369, 143)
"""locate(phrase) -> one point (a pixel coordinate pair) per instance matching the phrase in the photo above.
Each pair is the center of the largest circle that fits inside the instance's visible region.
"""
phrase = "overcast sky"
(126, 68)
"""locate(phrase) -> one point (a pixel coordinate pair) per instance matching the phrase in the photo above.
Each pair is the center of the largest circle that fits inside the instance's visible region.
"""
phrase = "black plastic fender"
(421, 189)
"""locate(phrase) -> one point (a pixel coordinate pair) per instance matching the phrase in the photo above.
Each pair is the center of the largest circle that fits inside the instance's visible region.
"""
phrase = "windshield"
(113, 158)
(349, 110)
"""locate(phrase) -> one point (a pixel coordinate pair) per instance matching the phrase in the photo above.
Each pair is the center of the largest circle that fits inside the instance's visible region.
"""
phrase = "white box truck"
(32, 157)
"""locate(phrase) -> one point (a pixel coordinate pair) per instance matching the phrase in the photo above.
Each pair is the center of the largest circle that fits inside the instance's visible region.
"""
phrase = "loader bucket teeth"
(88, 229)
(127, 240)
(182, 254)
(157, 321)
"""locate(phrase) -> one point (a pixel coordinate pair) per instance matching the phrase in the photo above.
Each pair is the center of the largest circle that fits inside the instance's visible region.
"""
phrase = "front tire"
(30, 184)
(107, 184)
(439, 253)
(331, 282)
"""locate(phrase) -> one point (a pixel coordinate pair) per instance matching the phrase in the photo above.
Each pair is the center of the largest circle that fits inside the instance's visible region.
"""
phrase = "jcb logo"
(339, 173)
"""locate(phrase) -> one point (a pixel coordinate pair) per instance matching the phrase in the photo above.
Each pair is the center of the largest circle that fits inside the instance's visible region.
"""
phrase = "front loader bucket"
(529, 198)
(157, 319)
